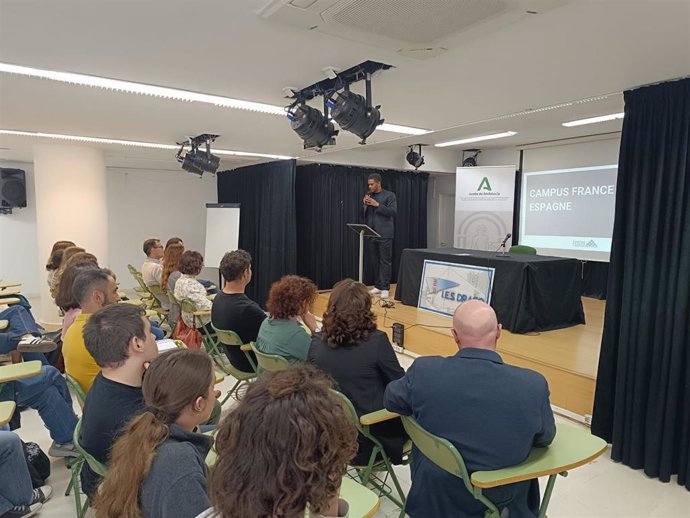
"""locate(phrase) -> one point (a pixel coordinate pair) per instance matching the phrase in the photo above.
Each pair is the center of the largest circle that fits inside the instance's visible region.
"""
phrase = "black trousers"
(380, 255)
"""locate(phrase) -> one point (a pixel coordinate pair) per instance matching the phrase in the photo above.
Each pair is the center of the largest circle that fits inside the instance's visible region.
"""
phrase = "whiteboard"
(222, 231)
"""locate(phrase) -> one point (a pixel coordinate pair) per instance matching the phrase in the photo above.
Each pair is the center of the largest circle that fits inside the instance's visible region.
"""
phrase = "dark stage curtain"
(266, 194)
(330, 196)
(642, 401)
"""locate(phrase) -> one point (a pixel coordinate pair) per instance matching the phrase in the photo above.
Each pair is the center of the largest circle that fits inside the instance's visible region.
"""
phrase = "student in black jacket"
(380, 207)
(361, 361)
(157, 466)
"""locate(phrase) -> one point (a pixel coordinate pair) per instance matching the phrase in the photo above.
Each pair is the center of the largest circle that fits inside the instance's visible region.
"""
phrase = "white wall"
(19, 259)
(159, 204)
(141, 204)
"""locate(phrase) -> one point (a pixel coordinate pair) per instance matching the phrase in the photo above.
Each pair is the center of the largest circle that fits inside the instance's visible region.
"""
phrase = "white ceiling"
(584, 49)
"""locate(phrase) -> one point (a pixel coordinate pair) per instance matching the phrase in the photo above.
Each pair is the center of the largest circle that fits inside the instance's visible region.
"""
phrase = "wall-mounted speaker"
(12, 188)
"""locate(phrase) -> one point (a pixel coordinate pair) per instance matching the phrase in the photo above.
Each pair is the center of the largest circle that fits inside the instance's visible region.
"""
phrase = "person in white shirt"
(188, 287)
(152, 269)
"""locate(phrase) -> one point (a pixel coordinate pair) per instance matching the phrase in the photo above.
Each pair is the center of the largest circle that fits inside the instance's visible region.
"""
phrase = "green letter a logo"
(484, 184)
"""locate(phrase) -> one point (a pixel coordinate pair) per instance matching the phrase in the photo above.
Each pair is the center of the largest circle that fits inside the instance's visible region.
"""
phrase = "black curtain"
(642, 401)
(330, 196)
(266, 194)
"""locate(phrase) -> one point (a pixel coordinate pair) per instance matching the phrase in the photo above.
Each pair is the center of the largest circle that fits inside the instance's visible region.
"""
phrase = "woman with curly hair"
(66, 255)
(157, 466)
(361, 361)
(288, 331)
(300, 441)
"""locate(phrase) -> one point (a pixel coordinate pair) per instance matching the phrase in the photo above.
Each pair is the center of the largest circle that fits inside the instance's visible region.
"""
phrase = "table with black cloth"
(530, 292)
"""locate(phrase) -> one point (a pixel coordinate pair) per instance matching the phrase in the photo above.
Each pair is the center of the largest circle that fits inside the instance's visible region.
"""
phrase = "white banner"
(447, 285)
(484, 199)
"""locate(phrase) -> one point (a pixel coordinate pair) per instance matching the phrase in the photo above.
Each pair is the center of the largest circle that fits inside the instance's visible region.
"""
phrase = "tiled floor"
(604, 489)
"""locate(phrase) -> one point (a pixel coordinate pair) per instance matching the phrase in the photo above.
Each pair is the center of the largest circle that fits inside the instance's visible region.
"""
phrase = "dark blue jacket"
(493, 414)
(382, 218)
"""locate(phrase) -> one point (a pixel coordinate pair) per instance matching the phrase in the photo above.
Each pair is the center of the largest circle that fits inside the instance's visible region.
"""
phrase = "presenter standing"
(380, 207)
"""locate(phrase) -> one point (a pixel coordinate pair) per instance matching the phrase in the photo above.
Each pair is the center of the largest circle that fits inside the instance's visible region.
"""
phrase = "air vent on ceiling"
(421, 29)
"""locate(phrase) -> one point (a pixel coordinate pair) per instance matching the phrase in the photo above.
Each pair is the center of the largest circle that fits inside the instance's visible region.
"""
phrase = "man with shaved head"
(491, 412)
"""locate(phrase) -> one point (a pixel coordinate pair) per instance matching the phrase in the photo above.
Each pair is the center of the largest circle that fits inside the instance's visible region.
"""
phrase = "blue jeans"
(47, 393)
(156, 330)
(23, 301)
(16, 488)
(20, 323)
(206, 284)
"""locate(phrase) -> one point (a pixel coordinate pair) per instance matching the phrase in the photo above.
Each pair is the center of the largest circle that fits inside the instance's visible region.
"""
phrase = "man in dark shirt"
(119, 339)
(232, 310)
(380, 207)
(491, 412)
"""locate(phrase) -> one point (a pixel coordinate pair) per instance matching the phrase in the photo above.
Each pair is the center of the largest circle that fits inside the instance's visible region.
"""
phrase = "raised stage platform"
(567, 358)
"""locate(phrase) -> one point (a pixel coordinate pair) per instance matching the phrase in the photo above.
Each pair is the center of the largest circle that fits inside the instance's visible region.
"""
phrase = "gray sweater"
(176, 484)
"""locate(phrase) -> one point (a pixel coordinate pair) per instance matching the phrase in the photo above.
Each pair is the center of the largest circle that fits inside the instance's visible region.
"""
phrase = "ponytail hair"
(172, 382)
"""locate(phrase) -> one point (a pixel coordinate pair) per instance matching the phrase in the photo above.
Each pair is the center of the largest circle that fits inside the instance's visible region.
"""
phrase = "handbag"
(190, 336)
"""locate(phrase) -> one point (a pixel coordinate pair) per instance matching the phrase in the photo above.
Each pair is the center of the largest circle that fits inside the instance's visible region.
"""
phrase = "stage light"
(355, 113)
(313, 126)
(195, 160)
(415, 159)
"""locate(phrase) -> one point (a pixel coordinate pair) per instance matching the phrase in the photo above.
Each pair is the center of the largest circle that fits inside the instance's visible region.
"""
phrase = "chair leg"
(396, 483)
(547, 495)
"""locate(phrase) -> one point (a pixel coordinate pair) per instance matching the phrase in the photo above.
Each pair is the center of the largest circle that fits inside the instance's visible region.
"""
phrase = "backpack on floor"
(37, 462)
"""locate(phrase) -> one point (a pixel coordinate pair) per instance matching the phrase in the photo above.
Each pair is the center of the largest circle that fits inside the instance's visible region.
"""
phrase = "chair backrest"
(270, 362)
(157, 291)
(349, 408)
(228, 337)
(523, 249)
(439, 451)
(96, 467)
(187, 305)
(132, 270)
(76, 389)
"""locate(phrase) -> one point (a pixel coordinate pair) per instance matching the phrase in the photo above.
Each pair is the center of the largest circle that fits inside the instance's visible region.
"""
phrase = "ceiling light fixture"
(414, 158)
(133, 143)
(477, 139)
(314, 128)
(593, 120)
(196, 160)
(168, 93)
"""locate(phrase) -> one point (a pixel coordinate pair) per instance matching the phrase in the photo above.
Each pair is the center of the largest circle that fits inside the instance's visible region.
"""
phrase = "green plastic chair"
(446, 456)
(76, 389)
(522, 249)
(145, 294)
(232, 339)
(270, 362)
(159, 295)
(95, 466)
(379, 468)
(75, 465)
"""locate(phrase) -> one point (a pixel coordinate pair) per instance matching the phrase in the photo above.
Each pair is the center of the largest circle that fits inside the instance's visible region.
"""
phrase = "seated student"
(152, 269)
(491, 412)
(233, 311)
(187, 287)
(157, 466)
(55, 259)
(65, 298)
(119, 338)
(66, 255)
(93, 289)
(18, 498)
(299, 440)
(287, 332)
(48, 394)
(170, 275)
(361, 361)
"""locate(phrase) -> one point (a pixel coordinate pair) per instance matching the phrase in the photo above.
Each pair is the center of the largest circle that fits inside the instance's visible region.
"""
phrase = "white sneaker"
(384, 294)
(374, 291)
(36, 344)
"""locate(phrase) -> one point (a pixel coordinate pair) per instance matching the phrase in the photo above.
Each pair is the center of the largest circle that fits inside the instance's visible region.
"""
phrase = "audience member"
(65, 298)
(233, 311)
(301, 441)
(287, 332)
(55, 259)
(157, 466)
(491, 412)
(361, 361)
(174, 241)
(68, 252)
(119, 338)
(187, 287)
(92, 290)
(152, 269)
(47, 393)
(170, 275)
(18, 498)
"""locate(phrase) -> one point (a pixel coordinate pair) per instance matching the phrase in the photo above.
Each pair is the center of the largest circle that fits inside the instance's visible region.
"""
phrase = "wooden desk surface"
(6, 411)
(571, 448)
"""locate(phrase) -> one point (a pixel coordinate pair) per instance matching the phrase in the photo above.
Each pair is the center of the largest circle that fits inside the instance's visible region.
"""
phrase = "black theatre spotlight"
(414, 158)
(352, 113)
(198, 161)
(314, 127)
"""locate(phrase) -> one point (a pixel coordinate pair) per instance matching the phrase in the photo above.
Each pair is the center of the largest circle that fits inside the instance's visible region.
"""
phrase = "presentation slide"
(569, 212)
